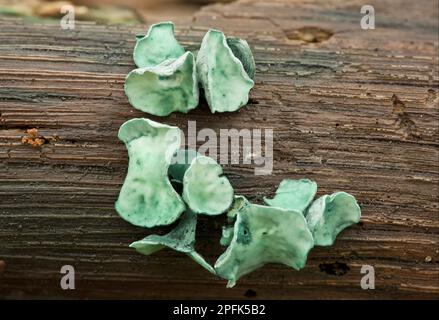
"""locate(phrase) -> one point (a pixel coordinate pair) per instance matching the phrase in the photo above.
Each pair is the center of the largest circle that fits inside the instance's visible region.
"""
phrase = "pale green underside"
(181, 238)
(147, 198)
(330, 214)
(263, 235)
(222, 75)
(158, 45)
(205, 190)
(293, 195)
(164, 88)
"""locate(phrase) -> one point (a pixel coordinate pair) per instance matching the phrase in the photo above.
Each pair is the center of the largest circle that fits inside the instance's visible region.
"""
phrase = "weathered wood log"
(356, 110)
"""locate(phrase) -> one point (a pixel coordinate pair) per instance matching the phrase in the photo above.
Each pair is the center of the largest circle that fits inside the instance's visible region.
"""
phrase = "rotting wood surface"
(355, 110)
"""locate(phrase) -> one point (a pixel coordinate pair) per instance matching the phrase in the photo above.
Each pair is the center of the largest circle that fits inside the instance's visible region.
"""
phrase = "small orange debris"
(32, 138)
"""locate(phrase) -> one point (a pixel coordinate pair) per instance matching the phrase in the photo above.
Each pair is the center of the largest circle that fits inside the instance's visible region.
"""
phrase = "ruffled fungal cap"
(158, 45)
(164, 88)
(181, 238)
(330, 214)
(205, 189)
(222, 75)
(293, 195)
(262, 235)
(147, 198)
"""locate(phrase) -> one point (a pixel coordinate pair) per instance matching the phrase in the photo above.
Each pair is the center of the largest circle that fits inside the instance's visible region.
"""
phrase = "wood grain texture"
(357, 112)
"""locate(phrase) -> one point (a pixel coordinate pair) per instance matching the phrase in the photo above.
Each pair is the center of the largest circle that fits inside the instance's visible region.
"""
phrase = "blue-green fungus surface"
(158, 45)
(181, 238)
(222, 75)
(293, 194)
(330, 214)
(261, 235)
(147, 198)
(205, 189)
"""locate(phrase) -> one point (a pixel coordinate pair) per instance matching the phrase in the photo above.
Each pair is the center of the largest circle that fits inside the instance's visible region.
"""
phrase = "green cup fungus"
(167, 87)
(167, 77)
(158, 45)
(261, 235)
(205, 189)
(147, 198)
(242, 51)
(181, 238)
(330, 214)
(222, 75)
(293, 195)
(180, 163)
(283, 231)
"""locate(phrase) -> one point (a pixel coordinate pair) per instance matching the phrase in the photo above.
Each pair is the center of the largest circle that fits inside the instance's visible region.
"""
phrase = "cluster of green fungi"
(167, 79)
(282, 231)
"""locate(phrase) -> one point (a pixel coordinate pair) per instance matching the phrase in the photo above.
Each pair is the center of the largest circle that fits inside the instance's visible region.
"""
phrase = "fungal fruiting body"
(162, 89)
(293, 195)
(330, 214)
(205, 190)
(283, 231)
(167, 77)
(147, 198)
(263, 234)
(242, 51)
(180, 163)
(167, 80)
(181, 238)
(225, 82)
(158, 45)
